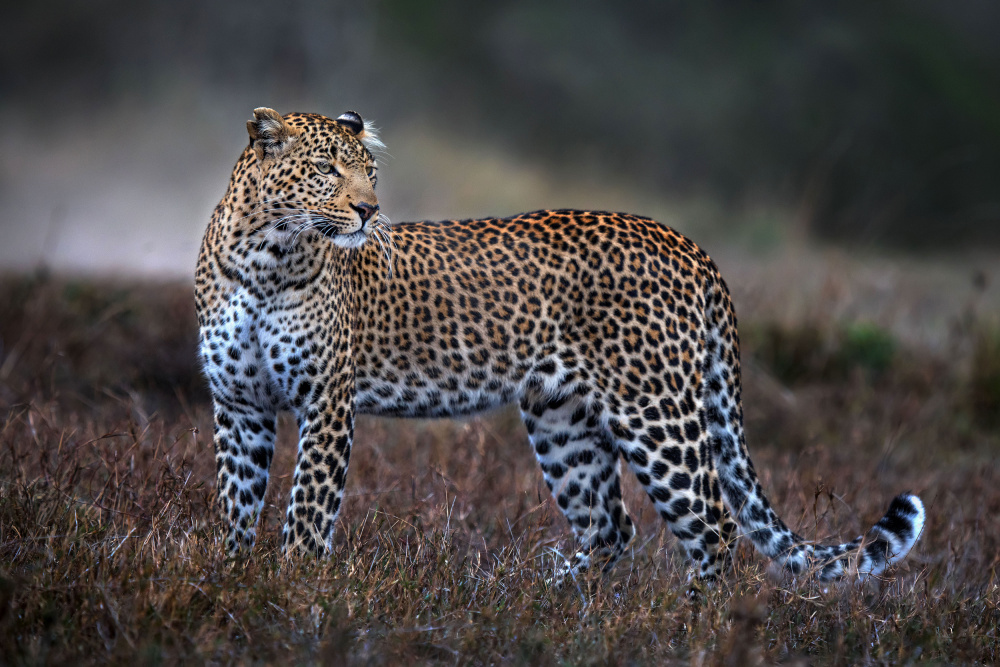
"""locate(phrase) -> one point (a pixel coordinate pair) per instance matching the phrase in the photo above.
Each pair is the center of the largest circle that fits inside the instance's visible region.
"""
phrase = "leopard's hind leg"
(668, 448)
(581, 468)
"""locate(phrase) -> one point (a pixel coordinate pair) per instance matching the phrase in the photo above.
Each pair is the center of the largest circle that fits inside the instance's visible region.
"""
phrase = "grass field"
(109, 540)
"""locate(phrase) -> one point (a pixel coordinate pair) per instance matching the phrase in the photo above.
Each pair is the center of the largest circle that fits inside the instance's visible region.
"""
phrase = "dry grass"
(109, 547)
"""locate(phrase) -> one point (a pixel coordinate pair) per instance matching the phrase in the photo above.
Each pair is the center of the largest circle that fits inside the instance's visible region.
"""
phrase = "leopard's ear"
(364, 131)
(270, 134)
(351, 121)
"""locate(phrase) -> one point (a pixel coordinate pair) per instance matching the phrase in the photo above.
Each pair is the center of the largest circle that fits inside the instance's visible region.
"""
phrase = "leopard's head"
(315, 175)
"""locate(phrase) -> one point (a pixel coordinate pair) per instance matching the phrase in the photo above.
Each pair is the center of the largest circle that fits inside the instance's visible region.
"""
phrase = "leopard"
(613, 334)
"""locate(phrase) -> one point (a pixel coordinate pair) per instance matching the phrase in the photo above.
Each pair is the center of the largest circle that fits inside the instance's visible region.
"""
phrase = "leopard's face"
(316, 177)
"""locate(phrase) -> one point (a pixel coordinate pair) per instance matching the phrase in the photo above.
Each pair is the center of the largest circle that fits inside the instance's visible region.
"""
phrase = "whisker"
(315, 220)
(387, 247)
(304, 227)
(265, 212)
(259, 205)
(279, 223)
(389, 236)
(378, 238)
(284, 223)
(255, 210)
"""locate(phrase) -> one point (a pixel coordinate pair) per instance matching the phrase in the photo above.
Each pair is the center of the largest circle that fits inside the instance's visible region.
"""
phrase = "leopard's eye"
(326, 168)
(371, 171)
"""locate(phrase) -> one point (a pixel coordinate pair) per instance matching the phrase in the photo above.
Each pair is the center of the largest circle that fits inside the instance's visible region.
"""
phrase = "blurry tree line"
(878, 122)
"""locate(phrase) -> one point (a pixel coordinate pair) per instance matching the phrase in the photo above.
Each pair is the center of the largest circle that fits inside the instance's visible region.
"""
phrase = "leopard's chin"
(351, 240)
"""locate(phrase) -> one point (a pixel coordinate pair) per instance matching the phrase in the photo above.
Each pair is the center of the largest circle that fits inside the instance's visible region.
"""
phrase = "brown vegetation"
(109, 548)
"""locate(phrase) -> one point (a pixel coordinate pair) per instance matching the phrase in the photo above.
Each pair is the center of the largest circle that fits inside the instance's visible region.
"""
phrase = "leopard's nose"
(365, 210)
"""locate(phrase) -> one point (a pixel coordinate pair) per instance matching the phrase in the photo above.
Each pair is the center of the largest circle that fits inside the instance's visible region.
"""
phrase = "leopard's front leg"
(326, 430)
(245, 412)
(244, 446)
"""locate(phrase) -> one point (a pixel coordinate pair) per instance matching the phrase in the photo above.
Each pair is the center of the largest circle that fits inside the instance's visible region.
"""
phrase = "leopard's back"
(479, 311)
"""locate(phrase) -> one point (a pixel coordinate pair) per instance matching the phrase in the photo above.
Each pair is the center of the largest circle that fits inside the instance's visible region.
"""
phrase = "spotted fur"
(614, 334)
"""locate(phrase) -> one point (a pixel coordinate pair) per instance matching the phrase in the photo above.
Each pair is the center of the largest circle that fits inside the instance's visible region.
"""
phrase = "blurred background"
(799, 143)
(871, 125)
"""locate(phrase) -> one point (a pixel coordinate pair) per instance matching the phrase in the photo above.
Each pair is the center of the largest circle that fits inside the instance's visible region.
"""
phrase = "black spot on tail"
(899, 519)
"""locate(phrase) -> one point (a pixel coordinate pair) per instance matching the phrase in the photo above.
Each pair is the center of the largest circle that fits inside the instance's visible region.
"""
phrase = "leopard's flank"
(614, 334)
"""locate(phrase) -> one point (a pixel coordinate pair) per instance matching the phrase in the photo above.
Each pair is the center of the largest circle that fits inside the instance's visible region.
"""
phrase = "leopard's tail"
(885, 544)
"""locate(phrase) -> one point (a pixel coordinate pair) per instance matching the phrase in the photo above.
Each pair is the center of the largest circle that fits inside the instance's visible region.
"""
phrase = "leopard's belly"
(419, 396)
